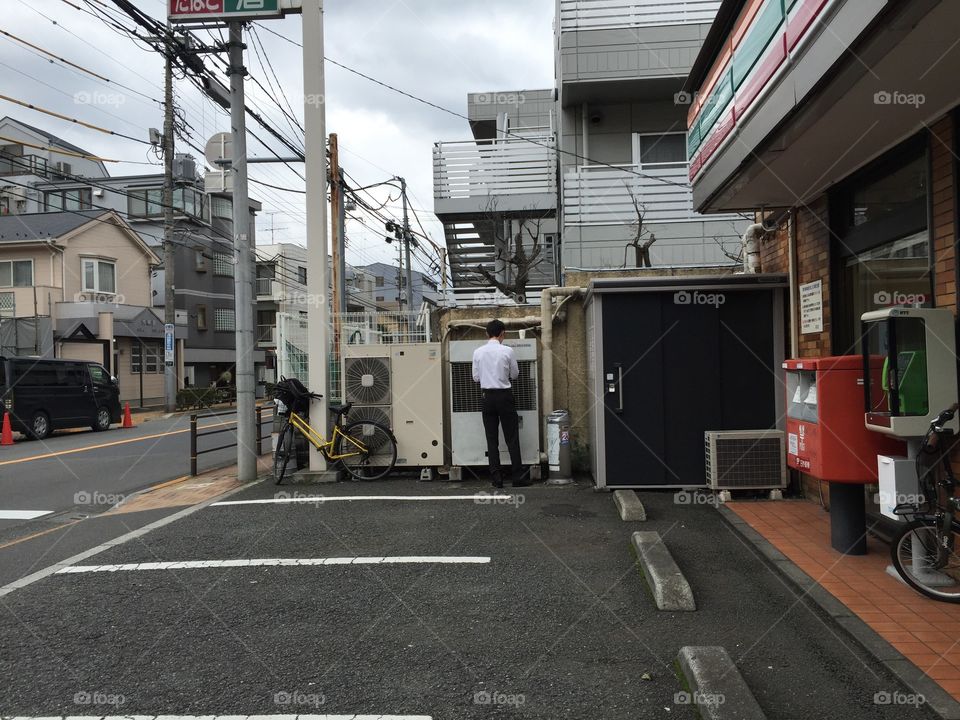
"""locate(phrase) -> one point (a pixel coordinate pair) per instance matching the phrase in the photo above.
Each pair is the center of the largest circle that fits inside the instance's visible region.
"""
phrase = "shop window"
(881, 242)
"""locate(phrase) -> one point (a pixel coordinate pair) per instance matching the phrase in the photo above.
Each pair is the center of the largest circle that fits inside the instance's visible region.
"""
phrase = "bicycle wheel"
(927, 561)
(283, 453)
(367, 450)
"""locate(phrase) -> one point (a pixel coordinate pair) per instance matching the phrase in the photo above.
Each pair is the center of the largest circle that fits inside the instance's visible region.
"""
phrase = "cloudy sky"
(436, 49)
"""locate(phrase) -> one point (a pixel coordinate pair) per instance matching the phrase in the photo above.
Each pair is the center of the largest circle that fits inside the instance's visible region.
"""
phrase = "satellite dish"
(219, 149)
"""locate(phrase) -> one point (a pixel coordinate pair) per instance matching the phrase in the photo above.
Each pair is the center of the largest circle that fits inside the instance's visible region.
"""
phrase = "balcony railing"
(265, 287)
(611, 14)
(603, 195)
(266, 334)
(513, 166)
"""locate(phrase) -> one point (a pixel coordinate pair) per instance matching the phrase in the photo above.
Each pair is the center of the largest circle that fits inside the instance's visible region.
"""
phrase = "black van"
(46, 395)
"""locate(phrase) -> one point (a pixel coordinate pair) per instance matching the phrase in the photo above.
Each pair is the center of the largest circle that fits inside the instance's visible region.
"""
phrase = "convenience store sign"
(192, 10)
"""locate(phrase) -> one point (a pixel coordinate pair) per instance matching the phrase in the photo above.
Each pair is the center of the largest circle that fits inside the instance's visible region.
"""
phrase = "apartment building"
(42, 173)
(496, 193)
(620, 69)
(389, 287)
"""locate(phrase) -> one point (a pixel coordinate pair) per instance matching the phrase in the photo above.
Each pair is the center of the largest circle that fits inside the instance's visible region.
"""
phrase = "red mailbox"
(826, 434)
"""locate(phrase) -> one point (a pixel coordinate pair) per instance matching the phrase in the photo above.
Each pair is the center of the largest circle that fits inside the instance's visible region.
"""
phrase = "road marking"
(38, 534)
(272, 562)
(23, 514)
(132, 535)
(489, 497)
(47, 456)
(220, 717)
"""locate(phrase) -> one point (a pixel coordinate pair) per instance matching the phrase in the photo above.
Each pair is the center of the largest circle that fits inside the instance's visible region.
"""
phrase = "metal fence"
(265, 414)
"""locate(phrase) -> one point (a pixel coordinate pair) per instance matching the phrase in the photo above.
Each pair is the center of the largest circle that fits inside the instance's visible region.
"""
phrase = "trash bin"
(558, 448)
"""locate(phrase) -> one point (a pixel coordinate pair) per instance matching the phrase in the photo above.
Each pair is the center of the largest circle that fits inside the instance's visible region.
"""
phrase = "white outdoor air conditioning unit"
(400, 386)
(467, 438)
(746, 460)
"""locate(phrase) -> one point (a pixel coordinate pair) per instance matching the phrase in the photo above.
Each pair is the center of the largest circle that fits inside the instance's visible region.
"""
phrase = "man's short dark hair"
(495, 328)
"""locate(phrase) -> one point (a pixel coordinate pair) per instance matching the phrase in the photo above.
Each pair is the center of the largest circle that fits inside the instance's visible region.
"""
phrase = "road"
(531, 607)
(48, 485)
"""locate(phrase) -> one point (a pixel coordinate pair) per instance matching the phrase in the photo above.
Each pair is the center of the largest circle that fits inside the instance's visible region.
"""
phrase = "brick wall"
(944, 197)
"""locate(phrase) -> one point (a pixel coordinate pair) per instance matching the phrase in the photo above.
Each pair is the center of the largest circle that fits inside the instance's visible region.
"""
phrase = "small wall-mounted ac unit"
(746, 460)
(63, 168)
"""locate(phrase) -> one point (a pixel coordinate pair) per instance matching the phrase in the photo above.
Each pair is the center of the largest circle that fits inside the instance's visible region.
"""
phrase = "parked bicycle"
(366, 450)
(924, 552)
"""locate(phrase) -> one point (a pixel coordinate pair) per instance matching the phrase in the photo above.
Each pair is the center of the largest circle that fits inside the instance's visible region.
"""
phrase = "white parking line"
(273, 562)
(219, 717)
(488, 497)
(23, 514)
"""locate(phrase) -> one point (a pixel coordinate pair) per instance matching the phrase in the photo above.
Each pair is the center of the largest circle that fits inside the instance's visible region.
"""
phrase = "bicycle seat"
(340, 409)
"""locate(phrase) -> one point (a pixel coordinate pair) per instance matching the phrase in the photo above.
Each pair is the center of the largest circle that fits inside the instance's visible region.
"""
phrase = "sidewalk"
(925, 631)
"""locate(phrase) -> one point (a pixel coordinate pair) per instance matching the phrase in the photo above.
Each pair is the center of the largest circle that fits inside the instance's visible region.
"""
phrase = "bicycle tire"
(367, 466)
(909, 533)
(281, 456)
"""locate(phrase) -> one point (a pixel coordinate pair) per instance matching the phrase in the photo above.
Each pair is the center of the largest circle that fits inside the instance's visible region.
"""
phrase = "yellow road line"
(47, 456)
(38, 534)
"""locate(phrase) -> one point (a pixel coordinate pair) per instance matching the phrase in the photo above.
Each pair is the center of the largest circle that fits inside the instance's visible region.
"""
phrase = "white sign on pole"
(811, 307)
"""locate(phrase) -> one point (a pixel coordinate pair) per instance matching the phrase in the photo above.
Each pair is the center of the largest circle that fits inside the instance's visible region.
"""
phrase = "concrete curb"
(718, 690)
(629, 505)
(670, 588)
(938, 699)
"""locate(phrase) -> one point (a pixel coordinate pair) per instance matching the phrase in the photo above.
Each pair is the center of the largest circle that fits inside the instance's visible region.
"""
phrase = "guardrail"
(196, 433)
(265, 287)
(481, 168)
(613, 14)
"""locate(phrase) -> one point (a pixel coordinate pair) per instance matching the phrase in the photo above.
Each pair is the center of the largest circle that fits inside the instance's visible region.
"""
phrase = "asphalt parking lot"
(538, 611)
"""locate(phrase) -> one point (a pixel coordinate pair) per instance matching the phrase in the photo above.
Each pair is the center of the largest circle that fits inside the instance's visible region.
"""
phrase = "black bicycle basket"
(294, 394)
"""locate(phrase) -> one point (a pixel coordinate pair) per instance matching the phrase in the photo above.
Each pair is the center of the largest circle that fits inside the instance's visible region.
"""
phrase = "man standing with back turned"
(494, 367)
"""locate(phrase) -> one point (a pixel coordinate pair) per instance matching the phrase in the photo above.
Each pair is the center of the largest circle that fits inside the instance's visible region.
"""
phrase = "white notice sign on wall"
(811, 307)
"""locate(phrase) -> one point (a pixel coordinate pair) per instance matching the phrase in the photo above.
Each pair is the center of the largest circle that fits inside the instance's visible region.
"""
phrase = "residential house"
(89, 272)
(389, 287)
(64, 179)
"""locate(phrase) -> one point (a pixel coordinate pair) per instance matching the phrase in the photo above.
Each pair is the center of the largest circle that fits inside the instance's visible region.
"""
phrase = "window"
(200, 261)
(146, 357)
(221, 207)
(8, 306)
(99, 276)
(302, 275)
(69, 200)
(145, 202)
(99, 374)
(660, 149)
(379, 281)
(16, 273)
(225, 320)
(223, 265)
(201, 317)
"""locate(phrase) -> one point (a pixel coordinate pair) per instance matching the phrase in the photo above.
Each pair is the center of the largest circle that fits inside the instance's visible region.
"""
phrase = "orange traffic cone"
(127, 417)
(6, 435)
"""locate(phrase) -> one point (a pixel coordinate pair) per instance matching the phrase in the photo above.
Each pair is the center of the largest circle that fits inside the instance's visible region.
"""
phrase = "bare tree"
(512, 249)
(641, 243)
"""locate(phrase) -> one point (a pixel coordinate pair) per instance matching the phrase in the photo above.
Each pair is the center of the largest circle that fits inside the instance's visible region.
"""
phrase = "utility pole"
(169, 250)
(342, 244)
(336, 230)
(406, 244)
(315, 135)
(243, 276)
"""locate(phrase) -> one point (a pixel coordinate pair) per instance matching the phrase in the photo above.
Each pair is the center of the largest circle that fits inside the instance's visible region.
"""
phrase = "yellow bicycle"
(366, 450)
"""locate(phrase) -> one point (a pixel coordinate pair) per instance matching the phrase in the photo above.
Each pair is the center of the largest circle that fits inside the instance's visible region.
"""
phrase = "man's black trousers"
(499, 408)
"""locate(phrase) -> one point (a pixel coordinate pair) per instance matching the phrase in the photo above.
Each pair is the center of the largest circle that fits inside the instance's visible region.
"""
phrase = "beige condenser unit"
(400, 386)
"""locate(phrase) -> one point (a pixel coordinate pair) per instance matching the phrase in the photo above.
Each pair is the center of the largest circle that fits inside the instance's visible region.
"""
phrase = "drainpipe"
(794, 286)
(546, 338)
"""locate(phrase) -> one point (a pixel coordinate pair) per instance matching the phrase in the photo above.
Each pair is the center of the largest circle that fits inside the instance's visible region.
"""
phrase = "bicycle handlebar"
(944, 417)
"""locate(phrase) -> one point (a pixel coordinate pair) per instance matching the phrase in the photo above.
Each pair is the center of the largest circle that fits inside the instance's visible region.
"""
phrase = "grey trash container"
(558, 448)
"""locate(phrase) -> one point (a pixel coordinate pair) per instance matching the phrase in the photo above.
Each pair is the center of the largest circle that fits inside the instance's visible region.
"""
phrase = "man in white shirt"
(495, 367)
